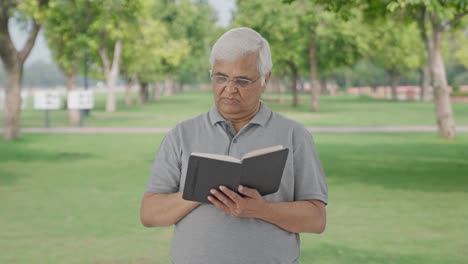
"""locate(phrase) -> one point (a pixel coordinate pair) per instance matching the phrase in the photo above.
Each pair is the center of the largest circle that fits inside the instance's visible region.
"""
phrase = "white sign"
(24, 100)
(46, 100)
(83, 99)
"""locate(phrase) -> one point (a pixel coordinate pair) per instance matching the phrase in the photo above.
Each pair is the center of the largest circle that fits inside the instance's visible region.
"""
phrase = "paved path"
(151, 130)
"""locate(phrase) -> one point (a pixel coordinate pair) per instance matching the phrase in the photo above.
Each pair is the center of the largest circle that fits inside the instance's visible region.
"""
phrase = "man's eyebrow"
(220, 73)
(242, 77)
(236, 77)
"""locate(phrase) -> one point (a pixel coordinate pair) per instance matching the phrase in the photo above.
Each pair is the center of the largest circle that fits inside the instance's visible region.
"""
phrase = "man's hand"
(251, 205)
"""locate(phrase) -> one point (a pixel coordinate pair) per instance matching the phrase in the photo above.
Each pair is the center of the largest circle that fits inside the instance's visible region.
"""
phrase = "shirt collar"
(261, 118)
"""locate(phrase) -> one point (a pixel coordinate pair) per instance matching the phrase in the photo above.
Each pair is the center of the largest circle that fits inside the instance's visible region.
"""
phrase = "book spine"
(191, 180)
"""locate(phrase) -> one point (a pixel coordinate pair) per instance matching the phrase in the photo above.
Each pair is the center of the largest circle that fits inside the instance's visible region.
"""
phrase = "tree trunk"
(143, 94)
(394, 80)
(111, 72)
(443, 105)
(267, 95)
(314, 82)
(13, 61)
(156, 95)
(424, 82)
(73, 114)
(169, 87)
(426, 71)
(323, 86)
(12, 109)
(282, 90)
(130, 82)
(293, 83)
(347, 79)
(128, 94)
(177, 87)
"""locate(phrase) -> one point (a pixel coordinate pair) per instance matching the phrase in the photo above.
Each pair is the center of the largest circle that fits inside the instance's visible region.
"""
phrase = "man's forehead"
(245, 65)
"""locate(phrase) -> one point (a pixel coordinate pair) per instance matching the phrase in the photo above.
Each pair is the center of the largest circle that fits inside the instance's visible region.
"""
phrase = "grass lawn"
(342, 110)
(394, 198)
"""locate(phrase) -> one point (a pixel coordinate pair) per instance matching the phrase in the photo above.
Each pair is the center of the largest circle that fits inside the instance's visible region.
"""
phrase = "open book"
(260, 169)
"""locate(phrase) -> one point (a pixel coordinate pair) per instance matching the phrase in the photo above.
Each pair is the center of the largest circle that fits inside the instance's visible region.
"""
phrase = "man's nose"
(231, 86)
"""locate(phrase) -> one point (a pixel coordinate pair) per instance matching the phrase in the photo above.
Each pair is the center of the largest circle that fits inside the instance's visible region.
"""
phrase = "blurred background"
(89, 88)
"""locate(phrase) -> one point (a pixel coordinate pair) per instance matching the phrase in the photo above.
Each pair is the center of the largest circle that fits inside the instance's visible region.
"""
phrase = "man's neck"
(239, 122)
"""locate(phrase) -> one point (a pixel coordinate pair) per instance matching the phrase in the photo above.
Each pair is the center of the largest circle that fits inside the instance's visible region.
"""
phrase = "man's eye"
(242, 82)
(221, 79)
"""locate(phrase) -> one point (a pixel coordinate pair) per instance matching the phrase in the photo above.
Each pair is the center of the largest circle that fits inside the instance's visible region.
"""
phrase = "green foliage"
(148, 46)
(34, 9)
(396, 47)
(279, 25)
(458, 41)
(110, 21)
(365, 73)
(66, 33)
(444, 12)
(172, 39)
(192, 23)
(290, 29)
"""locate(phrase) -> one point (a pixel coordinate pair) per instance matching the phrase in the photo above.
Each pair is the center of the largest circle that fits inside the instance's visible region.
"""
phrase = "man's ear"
(267, 79)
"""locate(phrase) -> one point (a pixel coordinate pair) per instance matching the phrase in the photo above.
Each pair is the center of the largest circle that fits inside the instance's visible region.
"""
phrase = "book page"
(259, 152)
(216, 157)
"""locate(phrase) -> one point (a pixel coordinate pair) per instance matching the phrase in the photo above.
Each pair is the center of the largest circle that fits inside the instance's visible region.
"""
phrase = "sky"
(42, 52)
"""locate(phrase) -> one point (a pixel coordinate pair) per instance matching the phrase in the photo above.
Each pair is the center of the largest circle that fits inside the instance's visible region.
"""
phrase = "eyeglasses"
(222, 80)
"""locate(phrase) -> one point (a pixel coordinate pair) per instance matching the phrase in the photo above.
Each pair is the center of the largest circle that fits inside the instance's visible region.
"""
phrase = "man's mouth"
(229, 100)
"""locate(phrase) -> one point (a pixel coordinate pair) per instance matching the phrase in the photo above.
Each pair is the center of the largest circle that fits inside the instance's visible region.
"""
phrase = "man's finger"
(217, 203)
(232, 195)
(222, 198)
(252, 193)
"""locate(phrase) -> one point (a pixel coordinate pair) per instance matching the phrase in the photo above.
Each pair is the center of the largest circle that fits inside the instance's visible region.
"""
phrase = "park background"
(347, 70)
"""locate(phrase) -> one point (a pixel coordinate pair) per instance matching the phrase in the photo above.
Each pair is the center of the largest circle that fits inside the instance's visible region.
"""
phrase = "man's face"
(232, 100)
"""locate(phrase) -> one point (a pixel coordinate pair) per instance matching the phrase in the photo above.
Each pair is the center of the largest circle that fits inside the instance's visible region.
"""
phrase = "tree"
(32, 12)
(396, 48)
(333, 42)
(194, 22)
(436, 17)
(110, 21)
(305, 39)
(278, 23)
(66, 36)
(150, 49)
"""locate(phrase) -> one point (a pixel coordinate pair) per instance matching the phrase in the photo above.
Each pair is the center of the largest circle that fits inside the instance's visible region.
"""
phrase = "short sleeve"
(309, 177)
(166, 170)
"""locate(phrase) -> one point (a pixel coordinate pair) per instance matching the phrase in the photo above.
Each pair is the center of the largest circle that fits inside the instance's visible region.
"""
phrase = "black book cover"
(262, 172)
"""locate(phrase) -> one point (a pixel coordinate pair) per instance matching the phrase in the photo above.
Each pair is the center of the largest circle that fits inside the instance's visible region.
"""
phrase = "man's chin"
(229, 109)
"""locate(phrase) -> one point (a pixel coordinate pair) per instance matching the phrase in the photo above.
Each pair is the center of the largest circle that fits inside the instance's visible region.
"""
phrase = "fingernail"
(212, 191)
(241, 188)
(222, 187)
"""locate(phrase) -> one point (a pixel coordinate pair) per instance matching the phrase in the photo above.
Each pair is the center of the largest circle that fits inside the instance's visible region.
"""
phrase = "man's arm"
(160, 209)
(297, 216)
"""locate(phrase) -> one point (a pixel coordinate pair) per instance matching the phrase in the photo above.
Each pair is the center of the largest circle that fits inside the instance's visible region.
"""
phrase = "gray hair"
(239, 42)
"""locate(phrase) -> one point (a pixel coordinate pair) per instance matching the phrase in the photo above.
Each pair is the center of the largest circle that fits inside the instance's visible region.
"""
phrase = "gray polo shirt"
(207, 235)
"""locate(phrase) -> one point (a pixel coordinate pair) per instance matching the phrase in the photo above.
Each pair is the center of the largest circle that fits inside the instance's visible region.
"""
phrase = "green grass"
(393, 198)
(344, 110)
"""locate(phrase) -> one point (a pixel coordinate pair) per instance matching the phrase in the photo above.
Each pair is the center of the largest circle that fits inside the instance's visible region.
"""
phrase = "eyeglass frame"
(236, 84)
